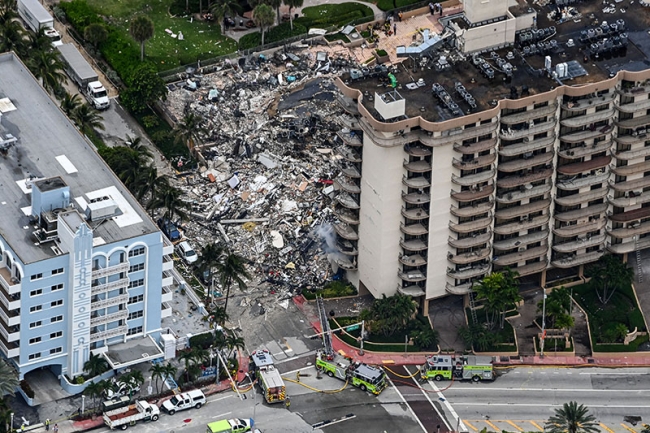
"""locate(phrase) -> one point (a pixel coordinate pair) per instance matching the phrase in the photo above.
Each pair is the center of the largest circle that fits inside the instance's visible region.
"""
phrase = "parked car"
(186, 252)
(169, 229)
(187, 400)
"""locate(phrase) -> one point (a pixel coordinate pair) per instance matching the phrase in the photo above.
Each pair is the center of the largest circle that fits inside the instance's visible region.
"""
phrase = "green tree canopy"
(388, 315)
(145, 87)
(95, 34)
(572, 418)
(608, 274)
(141, 29)
(498, 292)
(264, 17)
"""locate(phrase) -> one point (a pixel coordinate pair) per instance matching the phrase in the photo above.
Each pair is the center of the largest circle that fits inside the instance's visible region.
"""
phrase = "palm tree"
(87, 118)
(94, 390)
(157, 373)
(69, 103)
(47, 66)
(188, 130)
(293, 4)
(263, 16)
(170, 371)
(141, 29)
(186, 357)
(7, 11)
(572, 418)
(38, 41)
(96, 365)
(275, 4)
(8, 379)
(224, 8)
(233, 342)
(232, 270)
(218, 316)
(12, 37)
(170, 198)
(610, 273)
(210, 256)
(135, 143)
(200, 355)
(150, 183)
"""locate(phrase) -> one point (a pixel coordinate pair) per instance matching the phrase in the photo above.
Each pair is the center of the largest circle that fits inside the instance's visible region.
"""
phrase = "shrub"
(382, 53)
(276, 34)
(29, 392)
(79, 14)
(204, 341)
(386, 5)
(333, 289)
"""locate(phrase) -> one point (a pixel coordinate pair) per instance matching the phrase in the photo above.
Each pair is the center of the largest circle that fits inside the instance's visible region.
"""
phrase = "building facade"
(542, 184)
(82, 266)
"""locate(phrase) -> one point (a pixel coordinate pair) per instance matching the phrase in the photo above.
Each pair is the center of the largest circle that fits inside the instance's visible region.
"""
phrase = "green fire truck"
(268, 377)
(363, 376)
(470, 367)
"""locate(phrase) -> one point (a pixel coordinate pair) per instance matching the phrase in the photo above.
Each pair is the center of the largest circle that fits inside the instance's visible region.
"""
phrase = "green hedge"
(333, 289)
(632, 347)
(334, 15)
(402, 3)
(161, 135)
(386, 5)
(275, 34)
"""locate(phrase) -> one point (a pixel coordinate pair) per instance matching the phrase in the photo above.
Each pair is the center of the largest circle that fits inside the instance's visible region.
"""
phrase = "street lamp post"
(254, 394)
(541, 344)
(363, 329)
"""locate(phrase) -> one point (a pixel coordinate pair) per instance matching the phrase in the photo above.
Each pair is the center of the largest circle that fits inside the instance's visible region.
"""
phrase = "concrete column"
(542, 281)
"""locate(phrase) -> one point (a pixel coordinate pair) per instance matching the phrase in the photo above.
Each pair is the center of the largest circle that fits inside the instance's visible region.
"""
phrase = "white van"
(194, 398)
(186, 252)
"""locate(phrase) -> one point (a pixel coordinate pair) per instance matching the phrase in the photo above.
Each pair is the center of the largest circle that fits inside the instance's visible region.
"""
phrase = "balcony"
(583, 182)
(346, 247)
(122, 283)
(515, 196)
(471, 226)
(534, 176)
(580, 214)
(419, 151)
(577, 259)
(387, 139)
(635, 106)
(581, 167)
(346, 231)
(168, 263)
(416, 198)
(350, 187)
(535, 113)
(628, 247)
(11, 302)
(471, 164)
(475, 194)
(414, 245)
(634, 90)
(576, 122)
(11, 334)
(418, 166)
(586, 135)
(521, 256)
(345, 215)
(520, 226)
(349, 122)
(510, 134)
(168, 279)
(110, 270)
(473, 179)
(583, 150)
(626, 155)
(473, 210)
(347, 154)
(632, 215)
(108, 318)
(413, 276)
(470, 241)
(531, 268)
(478, 147)
(524, 209)
(634, 122)
(471, 257)
(579, 198)
(627, 170)
(636, 229)
(350, 171)
(415, 214)
(526, 146)
(571, 230)
(10, 284)
(412, 290)
(414, 260)
(165, 310)
(461, 289)
(631, 185)
(530, 238)
(459, 135)
(579, 244)
(168, 250)
(417, 182)
(105, 303)
(344, 263)
(414, 229)
(467, 272)
(583, 104)
(350, 138)
(524, 163)
(10, 317)
(346, 200)
(633, 138)
(167, 295)
(105, 335)
(630, 199)
(9, 349)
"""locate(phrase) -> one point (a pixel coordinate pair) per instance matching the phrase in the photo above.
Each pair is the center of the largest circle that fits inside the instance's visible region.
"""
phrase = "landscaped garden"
(332, 289)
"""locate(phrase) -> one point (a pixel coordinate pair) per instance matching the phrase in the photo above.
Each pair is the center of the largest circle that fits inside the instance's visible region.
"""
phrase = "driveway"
(447, 316)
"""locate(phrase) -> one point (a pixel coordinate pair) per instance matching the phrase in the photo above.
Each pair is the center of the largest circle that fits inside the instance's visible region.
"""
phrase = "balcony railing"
(627, 170)
(580, 214)
(529, 269)
(583, 104)
(524, 163)
(521, 225)
(634, 122)
(105, 335)
(10, 302)
(110, 270)
(473, 194)
(416, 182)
(412, 276)
(631, 185)
(586, 119)
(478, 147)
(628, 247)
(346, 231)
(519, 241)
(471, 226)
(122, 283)
(469, 211)
(479, 162)
(631, 215)
(470, 257)
(348, 154)
(165, 310)
(418, 166)
(580, 198)
(470, 241)
(461, 289)
(346, 247)
(581, 167)
(345, 263)
(570, 230)
(586, 135)
(105, 303)
(415, 260)
(580, 244)
(459, 135)
(467, 272)
(515, 196)
(584, 181)
(510, 134)
(630, 199)
(577, 259)
(523, 209)
(347, 216)
(416, 198)
(10, 284)
(108, 318)
(521, 256)
(633, 138)
(346, 200)
(512, 119)
(583, 150)
(414, 245)
(10, 333)
(473, 179)
(343, 183)
(526, 146)
(534, 176)
(636, 229)
(414, 229)
(419, 151)
(10, 317)
(415, 214)
(633, 107)
(9, 350)
(350, 171)
(351, 139)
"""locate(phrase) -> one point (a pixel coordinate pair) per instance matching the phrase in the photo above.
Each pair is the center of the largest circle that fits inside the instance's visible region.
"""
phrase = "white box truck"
(37, 17)
(127, 416)
(85, 76)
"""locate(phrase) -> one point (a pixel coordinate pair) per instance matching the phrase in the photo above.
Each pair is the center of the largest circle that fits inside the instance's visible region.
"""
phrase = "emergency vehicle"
(268, 376)
(470, 367)
(363, 376)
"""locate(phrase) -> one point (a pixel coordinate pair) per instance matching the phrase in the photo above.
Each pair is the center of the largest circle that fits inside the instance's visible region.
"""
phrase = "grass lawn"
(334, 14)
(201, 40)
(392, 343)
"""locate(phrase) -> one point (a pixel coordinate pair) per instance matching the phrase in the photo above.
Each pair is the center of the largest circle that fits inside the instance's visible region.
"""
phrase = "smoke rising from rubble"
(327, 236)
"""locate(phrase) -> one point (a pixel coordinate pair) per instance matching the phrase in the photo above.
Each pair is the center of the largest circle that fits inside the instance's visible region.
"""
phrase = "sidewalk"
(388, 358)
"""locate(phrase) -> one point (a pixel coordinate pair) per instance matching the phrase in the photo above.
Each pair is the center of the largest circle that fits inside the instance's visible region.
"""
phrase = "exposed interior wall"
(481, 10)
(490, 35)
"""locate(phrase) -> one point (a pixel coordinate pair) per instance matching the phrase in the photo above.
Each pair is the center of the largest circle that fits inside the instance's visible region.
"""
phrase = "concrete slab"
(46, 386)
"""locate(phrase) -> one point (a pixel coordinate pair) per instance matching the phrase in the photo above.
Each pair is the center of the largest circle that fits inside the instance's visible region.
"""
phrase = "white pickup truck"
(127, 416)
(187, 400)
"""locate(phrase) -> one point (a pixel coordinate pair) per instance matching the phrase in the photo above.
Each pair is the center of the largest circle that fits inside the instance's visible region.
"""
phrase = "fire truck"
(268, 376)
(363, 376)
(470, 367)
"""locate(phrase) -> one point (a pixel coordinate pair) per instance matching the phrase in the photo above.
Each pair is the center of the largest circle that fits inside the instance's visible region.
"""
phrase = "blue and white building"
(83, 269)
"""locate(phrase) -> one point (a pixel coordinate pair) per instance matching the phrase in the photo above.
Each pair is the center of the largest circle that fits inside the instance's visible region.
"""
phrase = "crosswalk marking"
(537, 426)
(628, 429)
(607, 429)
(514, 425)
(467, 423)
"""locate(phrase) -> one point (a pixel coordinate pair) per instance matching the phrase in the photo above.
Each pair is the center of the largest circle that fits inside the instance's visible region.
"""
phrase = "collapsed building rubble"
(265, 186)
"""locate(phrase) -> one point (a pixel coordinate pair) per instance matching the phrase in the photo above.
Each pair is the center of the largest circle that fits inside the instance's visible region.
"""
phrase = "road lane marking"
(603, 406)
(609, 373)
(426, 395)
(514, 425)
(537, 426)
(442, 398)
(607, 429)
(489, 388)
(407, 405)
(496, 429)
(220, 398)
(468, 424)
(628, 429)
